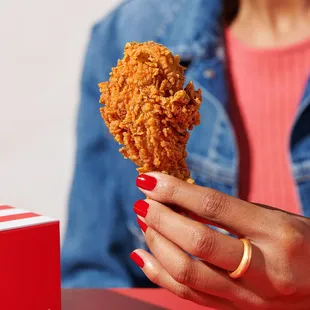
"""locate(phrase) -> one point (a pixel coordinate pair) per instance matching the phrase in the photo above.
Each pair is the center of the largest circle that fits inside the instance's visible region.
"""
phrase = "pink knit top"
(267, 85)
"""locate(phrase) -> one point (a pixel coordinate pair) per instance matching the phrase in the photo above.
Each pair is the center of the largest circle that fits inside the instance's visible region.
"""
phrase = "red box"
(29, 261)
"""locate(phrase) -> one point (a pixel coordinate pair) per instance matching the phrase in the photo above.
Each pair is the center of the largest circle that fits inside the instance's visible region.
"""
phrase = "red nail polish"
(137, 259)
(141, 207)
(146, 182)
(142, 225)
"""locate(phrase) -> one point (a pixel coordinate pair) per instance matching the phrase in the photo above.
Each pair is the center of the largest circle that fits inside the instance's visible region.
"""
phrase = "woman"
(251, 60)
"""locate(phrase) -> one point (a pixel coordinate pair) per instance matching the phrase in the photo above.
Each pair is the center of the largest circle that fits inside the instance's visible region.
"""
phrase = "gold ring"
(245, 261)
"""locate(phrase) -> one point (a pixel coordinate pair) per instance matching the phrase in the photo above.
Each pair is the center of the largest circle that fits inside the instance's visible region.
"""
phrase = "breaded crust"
(147, 110)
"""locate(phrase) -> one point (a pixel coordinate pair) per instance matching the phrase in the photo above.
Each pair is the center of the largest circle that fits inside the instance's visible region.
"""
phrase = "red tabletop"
(118, 299)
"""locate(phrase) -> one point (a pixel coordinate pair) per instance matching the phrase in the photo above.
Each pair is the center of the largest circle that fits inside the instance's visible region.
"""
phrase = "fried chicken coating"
(147, 110)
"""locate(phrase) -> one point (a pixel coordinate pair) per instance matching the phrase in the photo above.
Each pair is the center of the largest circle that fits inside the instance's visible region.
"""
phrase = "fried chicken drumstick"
(147, 110)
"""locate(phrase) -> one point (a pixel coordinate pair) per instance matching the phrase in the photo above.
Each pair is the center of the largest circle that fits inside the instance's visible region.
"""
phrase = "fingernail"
(146, 182)
(137, 259)
(141, 207)
(142, 225)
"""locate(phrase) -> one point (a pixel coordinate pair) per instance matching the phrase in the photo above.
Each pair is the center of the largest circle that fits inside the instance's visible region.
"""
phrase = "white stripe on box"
(12, 212)
(26, 222)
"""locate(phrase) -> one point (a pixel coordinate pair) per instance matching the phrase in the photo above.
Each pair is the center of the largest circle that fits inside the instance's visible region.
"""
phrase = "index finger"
(234, 214)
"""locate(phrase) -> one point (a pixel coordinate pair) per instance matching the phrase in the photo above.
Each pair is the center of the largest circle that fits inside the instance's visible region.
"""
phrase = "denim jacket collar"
(200, 36)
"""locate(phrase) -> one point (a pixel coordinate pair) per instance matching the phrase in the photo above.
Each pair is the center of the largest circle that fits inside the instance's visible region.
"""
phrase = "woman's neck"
(272, 23)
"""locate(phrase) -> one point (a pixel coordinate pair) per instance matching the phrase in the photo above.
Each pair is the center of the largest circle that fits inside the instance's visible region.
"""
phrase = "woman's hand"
(279, 273)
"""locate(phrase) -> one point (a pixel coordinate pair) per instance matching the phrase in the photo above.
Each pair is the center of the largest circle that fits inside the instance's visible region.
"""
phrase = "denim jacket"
(101, 228)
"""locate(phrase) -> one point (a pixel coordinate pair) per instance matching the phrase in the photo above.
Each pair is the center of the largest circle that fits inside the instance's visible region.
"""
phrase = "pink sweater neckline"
(267, 87)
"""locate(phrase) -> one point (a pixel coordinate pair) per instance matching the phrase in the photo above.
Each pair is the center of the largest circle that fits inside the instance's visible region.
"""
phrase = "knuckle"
(152, 238)
(252, 299)
(182, 273)
(173, 191)
(260, 303)
(202, 243)
(157, 220)
(212, 204)
(182, 292)
(169, 189)
(154, 276)
(285, 284)
(291, 236)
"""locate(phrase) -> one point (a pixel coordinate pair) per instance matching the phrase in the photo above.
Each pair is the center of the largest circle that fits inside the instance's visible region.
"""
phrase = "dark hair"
(230, 10)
